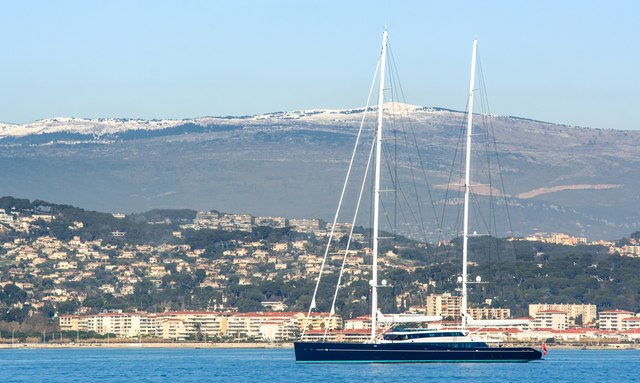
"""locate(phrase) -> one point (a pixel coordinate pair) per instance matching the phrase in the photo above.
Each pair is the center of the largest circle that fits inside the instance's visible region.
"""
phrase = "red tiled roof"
(191, 313)
(604, 332)
(361, 318)
(343, 332)
(110, 315)
(495, 330)
(574, 331)
(274, 322)
(268, 314)
(616, 311)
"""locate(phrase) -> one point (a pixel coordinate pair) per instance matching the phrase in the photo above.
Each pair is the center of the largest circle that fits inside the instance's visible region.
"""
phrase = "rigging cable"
(344, 188)
(346, 251)
(419, 155)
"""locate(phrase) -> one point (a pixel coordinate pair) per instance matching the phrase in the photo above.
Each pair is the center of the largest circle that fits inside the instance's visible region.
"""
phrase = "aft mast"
(467, 188)
(418, 344)
(376, 194)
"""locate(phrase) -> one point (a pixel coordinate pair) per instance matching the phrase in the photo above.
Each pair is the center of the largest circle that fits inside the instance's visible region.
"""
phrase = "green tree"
(94, 301)
(67, 307)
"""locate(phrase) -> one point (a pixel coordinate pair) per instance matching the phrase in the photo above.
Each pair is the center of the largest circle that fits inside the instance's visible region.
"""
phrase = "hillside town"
(51, 272)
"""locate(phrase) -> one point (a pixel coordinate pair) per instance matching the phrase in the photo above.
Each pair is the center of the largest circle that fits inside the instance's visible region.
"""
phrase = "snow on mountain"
(96, 127)
(562, 178)
(105, 126)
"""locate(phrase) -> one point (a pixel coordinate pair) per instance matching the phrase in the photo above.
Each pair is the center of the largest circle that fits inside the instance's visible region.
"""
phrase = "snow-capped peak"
(97, 127)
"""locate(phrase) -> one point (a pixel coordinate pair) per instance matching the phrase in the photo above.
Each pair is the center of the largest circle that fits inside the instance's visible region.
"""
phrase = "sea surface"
(278, 365)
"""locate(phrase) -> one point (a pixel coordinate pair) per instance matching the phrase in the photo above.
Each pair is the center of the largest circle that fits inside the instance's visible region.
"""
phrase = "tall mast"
(376, 194)
(467, 188)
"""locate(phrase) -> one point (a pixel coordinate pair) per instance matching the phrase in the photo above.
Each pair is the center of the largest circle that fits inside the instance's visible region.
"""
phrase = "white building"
(612, 319)
(630, 323)
(358, 323)
(202, 325)
(588, 313)
(550, 319)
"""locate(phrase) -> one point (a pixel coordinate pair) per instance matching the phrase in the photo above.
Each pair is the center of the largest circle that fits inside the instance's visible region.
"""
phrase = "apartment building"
(358, 323)
(613, 319)
(550, 319)
(489, 313)
(573, 311)
(250, 325)
(69, 322)
(279, 330)
(186, 323)
(180, 325)
(629, 324)
(444, 305)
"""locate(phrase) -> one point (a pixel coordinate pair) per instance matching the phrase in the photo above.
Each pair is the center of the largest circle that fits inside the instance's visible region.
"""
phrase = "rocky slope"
(556, 178)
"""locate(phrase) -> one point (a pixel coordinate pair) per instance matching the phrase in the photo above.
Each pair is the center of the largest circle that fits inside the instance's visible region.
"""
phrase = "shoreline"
(258, 345)
(194, 345)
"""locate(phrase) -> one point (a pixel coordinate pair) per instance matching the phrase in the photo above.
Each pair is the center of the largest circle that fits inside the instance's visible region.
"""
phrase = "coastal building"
(279, 330)
(444, 305)
(182, 325)
(489, 313)
(69, 322)
(587, 312)
(612, 319)
(173, 328)
(178, 325)
(631, 335)
(121, 325)
(630, 323)
(249, 325)
(550, 319)
(358, 323)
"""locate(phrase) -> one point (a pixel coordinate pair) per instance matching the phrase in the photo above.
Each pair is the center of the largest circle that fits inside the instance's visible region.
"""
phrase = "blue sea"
(277, 365)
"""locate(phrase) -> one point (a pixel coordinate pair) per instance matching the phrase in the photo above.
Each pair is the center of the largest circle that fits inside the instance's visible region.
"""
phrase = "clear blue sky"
(571, 62)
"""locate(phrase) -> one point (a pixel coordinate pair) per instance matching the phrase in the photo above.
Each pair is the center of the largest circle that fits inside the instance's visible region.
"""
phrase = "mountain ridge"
(112, 125)
(292, 163)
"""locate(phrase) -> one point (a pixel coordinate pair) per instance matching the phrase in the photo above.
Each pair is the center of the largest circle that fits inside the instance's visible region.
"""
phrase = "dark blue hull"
(319, 352)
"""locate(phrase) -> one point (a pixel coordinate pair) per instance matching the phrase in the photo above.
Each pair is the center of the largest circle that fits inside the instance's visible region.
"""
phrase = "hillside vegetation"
(518, 272)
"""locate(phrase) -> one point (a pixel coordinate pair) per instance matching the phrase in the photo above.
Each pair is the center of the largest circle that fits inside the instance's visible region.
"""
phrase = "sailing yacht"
(399, 344)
